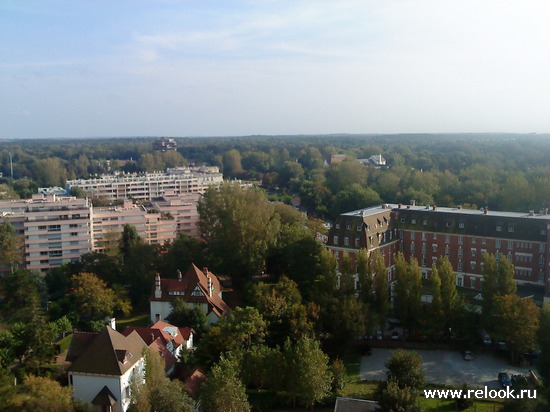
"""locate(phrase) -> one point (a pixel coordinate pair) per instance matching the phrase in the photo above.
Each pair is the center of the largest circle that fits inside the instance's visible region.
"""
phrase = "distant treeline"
(500, 171)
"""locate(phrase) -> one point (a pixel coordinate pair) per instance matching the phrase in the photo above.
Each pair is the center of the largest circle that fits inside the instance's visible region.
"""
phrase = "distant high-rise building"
(164, 144)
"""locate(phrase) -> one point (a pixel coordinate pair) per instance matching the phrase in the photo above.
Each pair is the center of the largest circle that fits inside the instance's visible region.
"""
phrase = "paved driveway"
(443, 367)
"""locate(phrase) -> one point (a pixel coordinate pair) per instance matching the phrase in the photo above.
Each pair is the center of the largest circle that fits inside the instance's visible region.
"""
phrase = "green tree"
(94, 300)
(11, 246)
(42, 394)
(436, 309)
(394, 398)
(282, 308)
(232, 166)
(22, 294)
(224, 391)
(449, 294)
(239, 227)
(50, 172)
(498, 280)
(405, 367)
(310, 380)
(7, 192)
(184, 316)
(381, 297)
(518, 323)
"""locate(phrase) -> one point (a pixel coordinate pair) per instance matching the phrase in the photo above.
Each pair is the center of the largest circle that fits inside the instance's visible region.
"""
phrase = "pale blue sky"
(207, 68)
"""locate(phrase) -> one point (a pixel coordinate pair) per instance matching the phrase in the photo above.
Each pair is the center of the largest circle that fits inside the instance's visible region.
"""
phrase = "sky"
(229, 68)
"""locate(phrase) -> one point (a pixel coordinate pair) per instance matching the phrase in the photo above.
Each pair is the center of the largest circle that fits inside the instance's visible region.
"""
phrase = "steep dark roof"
(104, 398)
(107, 353)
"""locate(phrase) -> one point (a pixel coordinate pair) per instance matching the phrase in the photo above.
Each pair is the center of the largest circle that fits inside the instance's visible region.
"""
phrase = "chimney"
(209, 286)
(413, 202)
(158, 291)
(179, 275)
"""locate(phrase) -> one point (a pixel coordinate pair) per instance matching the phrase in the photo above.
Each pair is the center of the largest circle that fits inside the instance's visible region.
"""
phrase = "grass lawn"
(134, 320)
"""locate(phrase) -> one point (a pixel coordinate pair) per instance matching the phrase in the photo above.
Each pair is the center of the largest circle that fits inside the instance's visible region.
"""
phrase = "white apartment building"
(183, 208)
(59, 229)
(150, 185)
(56, 230)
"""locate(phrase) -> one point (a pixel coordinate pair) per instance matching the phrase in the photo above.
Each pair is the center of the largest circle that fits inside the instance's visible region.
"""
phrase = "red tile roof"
(183, 288)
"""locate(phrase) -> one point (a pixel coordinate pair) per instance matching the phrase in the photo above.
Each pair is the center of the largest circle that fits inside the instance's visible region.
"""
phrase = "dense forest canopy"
(501, 171)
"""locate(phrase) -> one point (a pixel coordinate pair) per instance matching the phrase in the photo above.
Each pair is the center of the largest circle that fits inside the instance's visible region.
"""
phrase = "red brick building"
(462, 235)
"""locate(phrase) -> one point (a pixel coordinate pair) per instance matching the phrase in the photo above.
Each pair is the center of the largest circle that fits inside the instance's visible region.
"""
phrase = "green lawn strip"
(135, 320)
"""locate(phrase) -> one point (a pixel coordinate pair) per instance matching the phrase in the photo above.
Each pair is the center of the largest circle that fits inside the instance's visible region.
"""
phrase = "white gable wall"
(87, 386)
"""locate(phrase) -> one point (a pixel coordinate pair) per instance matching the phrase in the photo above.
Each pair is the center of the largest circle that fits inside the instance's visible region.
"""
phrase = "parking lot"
(445, 367)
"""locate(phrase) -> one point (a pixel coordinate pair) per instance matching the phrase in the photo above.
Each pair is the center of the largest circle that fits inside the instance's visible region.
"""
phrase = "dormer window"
(197, 292)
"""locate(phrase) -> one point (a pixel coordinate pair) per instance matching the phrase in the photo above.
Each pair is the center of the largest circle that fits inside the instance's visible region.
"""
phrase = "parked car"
(395, 335)
(379, 335)
(504, 379)
(468, 355)
(487, 341)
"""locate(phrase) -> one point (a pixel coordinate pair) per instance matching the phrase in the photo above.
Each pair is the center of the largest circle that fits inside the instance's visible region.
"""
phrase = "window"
(346, 240)
(197, 292)
(54, 228)
(357, 242)
(461, 240)
(337, 226)
(423, 261)
(359, 228)
(41, 227)
(425, 222)
(447, 224)
(423, 247)
(483, 241)
(460, 252)
(402, 220)
(447, 238)
(413, 235)
(459, 282)
(413, 221)
(511, 229)
(461, 225)
(413, 249)
(447, 250)
(434, 248)
(348, 227)
(73, 225)
(499, 228)
(423, 235)
(510, 244)
(335, 240)
(474, 253)
(459, 266)
(473, 265)
(497, 243)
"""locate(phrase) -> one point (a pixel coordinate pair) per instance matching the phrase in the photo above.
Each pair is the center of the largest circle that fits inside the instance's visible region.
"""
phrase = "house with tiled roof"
(167, 339)
(196, 288)
(102, 366)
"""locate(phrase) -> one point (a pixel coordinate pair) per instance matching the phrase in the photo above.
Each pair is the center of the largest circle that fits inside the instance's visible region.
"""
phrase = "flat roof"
(452, 210)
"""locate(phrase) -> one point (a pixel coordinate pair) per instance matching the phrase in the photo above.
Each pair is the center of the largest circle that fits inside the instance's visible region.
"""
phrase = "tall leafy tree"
(406, 368)
(436, 309)
(381, 297)
(449, 295)
(310, 380)
(224, 391)
(517, 322)
(239, 227)
(11, 246)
